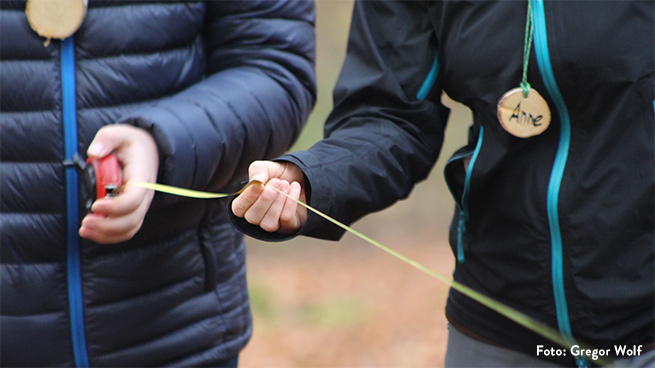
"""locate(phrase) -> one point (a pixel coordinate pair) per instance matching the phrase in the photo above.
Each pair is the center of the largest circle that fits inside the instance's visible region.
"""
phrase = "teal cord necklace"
(527, 46)
(522, 111)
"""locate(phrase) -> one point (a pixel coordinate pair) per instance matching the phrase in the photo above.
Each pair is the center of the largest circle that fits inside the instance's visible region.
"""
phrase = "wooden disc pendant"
(522, 116)
(55, 18)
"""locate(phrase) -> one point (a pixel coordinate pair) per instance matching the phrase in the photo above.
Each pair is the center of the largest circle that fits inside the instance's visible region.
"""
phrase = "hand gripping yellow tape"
(522, 319)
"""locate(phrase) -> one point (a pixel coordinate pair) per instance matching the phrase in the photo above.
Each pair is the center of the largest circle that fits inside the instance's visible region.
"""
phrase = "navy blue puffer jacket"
(218, 84)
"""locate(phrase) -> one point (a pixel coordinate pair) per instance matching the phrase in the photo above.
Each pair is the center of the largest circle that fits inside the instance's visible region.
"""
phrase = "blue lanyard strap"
(72, 215)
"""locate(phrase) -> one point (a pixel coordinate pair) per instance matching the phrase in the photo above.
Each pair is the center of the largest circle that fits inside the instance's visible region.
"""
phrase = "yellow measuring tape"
(191, 193)
(522, 319)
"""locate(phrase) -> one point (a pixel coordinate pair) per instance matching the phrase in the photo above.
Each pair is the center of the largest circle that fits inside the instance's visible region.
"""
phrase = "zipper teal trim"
(554, 185)
(462, 156)
(464, 214)
(74, 272)
(431, 78)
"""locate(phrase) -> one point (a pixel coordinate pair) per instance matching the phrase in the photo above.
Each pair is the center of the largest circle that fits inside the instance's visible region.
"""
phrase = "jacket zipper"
(72, 216)
(428, 83)
(464, 209)
(557, 268)
(464, 213)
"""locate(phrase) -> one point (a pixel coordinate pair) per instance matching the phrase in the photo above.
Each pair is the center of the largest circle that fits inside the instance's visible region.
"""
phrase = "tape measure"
(100, 178)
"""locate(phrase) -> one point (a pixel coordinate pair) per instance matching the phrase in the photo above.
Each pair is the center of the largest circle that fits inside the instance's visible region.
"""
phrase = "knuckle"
(268, 195)
(238, 207)
(287, 217)
(269, 226)
(252, 217)
(252, 193)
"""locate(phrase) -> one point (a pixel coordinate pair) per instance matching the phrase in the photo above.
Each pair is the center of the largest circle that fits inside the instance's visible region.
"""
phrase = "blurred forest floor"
(347, 303)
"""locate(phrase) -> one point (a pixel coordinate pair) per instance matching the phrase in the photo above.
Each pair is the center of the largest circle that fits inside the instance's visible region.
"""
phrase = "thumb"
(260, 170)
(103, 144)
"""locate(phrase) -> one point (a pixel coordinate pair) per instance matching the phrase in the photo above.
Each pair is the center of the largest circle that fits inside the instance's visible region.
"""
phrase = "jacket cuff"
(319, 196)
(257, 232)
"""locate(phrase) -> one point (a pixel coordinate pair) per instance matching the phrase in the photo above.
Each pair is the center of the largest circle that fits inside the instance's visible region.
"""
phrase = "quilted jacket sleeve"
(255, 99)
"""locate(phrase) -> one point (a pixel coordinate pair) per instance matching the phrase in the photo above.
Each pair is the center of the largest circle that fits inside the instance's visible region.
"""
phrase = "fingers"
(265, 206)
(105, 230)
(269, 202)
(117, 219)
(271, 219)
(270, 209)
(262, 171)
(108, 230)
(293, 215)
(245, 200)
(128, 201)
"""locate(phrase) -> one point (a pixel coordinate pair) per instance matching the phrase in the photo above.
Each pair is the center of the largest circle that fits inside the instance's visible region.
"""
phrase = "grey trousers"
(464, 351)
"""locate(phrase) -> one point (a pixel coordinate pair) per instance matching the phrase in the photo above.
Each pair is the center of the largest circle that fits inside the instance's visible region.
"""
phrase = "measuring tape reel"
(100, 178)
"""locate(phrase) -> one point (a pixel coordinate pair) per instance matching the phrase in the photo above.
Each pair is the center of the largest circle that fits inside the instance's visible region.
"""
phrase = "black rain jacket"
(559, 226)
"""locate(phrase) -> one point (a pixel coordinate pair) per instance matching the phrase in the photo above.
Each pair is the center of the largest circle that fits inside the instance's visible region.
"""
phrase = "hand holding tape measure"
(117, 219)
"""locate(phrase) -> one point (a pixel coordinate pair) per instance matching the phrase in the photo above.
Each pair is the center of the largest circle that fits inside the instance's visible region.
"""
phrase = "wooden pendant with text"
(522, 116)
